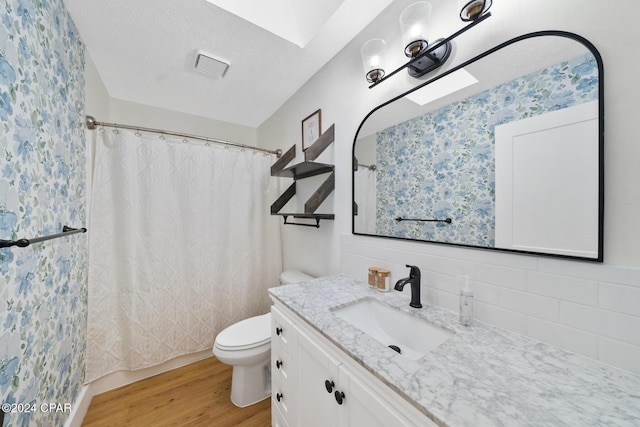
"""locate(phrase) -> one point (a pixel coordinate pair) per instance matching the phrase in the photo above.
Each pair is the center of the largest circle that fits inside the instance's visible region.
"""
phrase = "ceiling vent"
(209, 64)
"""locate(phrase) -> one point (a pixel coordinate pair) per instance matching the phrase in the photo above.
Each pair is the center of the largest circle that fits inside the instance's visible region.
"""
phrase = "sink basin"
(411, 335)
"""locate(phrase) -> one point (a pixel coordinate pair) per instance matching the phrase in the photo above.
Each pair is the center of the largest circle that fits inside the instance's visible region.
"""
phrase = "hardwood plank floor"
(194, 395)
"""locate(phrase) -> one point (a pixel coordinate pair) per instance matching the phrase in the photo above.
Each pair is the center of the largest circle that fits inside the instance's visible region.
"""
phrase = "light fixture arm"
(429, 52)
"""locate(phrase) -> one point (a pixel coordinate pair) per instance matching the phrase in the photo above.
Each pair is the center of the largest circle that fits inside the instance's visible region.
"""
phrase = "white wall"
(131, 113)
(103, 108)
(97, 97)
(588, 308)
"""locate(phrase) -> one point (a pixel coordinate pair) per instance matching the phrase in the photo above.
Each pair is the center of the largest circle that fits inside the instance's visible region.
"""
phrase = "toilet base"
(250, 384)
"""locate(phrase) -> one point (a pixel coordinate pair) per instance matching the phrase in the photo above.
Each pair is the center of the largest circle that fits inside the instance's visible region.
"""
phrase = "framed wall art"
(311, 129)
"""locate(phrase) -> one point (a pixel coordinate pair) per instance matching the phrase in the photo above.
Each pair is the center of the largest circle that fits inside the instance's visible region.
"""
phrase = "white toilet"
(246, 346)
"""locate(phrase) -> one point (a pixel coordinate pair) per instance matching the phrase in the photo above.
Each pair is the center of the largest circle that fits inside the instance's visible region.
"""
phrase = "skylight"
(295, 21)
(445, 86)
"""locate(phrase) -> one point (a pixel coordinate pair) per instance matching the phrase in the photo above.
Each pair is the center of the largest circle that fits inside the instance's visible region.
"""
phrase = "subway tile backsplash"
(590, 309)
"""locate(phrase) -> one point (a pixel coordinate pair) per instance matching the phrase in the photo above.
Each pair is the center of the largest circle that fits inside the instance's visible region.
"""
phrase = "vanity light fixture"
(426, 57)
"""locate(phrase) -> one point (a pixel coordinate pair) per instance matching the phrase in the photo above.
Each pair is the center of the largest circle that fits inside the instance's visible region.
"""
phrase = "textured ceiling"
(144, 51)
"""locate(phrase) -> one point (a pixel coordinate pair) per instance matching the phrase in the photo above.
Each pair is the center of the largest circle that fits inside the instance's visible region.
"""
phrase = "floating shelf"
(306, 169)
(311, 215)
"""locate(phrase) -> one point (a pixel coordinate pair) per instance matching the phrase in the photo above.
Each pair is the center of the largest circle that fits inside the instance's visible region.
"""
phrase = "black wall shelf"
(302, 170)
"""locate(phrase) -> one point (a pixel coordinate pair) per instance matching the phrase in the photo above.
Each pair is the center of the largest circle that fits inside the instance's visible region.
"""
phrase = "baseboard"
(80, 407)
(122, 378)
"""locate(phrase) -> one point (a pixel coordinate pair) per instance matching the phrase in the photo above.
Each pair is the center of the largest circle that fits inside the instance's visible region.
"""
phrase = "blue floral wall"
(442, 163)
(43, 287)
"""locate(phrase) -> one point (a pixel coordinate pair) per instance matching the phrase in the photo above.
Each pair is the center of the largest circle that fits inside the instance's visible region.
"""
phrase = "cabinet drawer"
(283, 333)
(277, 418)
(282, 366)
(282, 403)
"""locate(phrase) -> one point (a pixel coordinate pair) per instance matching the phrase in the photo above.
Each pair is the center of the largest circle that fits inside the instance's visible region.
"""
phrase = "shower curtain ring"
(115, 130)
(162, 136)
(138, 134)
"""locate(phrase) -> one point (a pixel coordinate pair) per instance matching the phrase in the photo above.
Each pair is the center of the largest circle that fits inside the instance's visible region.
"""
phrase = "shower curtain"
(365, 195)
(181, 244)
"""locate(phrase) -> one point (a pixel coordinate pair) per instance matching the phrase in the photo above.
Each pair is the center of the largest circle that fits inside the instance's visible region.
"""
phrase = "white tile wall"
(619, 354)
(623, 299)
(588, 308)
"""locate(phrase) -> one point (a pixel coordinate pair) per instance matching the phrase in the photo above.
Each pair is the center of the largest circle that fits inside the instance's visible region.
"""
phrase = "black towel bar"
(447, 220)
(66, 231)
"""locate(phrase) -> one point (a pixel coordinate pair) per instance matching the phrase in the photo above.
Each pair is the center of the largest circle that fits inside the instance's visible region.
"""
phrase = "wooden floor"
(194, 395)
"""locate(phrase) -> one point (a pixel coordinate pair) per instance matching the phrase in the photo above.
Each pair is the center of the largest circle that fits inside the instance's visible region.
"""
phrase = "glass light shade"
(372, 59)
(413, 24)
(470, 10)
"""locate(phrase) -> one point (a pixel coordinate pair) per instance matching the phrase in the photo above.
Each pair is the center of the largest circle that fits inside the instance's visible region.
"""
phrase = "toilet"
(246, 346)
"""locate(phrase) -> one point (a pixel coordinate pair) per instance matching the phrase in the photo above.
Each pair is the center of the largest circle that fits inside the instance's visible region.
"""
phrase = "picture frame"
(311, 129)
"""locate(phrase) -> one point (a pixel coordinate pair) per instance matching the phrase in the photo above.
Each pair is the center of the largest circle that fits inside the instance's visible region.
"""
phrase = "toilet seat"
(246, 334)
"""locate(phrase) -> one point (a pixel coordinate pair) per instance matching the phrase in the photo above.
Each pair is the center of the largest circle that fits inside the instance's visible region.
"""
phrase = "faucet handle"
(415, 271)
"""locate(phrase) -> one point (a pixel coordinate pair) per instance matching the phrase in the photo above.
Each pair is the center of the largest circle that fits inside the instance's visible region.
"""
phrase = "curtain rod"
(92, 124)
(370, 167)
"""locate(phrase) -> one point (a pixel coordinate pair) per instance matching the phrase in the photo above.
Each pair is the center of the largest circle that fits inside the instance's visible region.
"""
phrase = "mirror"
(503, 152)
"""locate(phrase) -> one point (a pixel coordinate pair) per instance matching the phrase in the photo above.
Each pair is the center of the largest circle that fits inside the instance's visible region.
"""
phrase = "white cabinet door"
(317, 382)
(365, 407)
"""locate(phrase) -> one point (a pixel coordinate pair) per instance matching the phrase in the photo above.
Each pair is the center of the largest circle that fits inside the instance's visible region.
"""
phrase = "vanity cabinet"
(323, 386)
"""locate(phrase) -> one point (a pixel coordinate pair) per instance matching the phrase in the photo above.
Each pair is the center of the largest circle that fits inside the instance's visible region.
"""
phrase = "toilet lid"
(247, 333)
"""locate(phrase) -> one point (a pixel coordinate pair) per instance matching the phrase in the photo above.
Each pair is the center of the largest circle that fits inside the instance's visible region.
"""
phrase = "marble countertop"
(482, 375)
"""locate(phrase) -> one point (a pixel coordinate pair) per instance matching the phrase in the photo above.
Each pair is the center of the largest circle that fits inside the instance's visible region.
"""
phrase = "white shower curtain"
(181, 245)
(365, 195)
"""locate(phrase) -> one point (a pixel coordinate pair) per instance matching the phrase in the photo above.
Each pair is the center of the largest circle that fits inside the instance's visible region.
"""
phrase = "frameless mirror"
(504, 152)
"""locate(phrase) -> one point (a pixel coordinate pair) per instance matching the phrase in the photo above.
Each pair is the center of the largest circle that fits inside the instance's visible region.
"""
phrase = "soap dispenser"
(466, 304)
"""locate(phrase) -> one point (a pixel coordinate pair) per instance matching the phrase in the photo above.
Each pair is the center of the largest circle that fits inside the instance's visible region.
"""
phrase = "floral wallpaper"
(443, 161)
(43, 287)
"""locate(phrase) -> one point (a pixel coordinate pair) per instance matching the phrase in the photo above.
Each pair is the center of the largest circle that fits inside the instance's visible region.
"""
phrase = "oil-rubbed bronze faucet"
(414, 280)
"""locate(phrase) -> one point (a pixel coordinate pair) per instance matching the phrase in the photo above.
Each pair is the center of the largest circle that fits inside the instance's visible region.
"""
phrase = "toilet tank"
(292, 276)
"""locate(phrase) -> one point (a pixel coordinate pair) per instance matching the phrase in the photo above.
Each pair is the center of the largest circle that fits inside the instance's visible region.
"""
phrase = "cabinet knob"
(278, 331)
(279, 397)
(329, 385)
(339, 397)
(278, 364)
